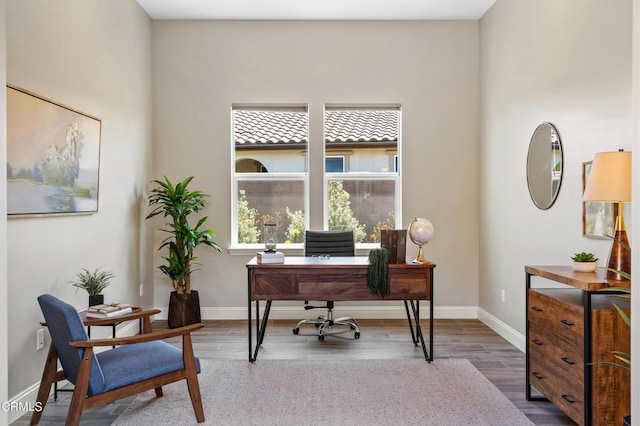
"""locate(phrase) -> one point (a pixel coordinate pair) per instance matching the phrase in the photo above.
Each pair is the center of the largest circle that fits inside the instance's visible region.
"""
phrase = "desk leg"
(261, 328)
(416, 331)
(265, 318)
(413, 334)
(249, 333)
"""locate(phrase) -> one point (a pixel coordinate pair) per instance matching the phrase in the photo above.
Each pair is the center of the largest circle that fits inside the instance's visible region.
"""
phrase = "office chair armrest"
(140, 338)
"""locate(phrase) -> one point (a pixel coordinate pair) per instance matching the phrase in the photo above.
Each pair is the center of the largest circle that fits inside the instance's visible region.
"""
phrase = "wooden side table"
(143, 316)
(570, 329)
(113, 322)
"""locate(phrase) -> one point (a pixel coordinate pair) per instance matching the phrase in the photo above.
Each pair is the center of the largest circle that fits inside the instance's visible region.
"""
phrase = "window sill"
(290, 249)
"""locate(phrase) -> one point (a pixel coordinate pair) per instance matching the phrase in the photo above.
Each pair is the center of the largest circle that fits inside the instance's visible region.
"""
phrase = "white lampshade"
(610, 178)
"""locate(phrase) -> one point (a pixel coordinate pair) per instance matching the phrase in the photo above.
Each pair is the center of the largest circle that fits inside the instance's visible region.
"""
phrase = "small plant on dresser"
(584, 262)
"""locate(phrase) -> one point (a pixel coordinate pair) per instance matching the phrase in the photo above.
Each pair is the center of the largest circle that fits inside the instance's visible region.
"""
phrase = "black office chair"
(334, 244)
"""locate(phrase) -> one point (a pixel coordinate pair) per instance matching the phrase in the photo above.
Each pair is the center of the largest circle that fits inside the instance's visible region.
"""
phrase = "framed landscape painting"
(53, 157)
(597, 217)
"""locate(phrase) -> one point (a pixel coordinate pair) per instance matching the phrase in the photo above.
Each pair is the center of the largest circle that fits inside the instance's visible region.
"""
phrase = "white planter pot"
(585, 266)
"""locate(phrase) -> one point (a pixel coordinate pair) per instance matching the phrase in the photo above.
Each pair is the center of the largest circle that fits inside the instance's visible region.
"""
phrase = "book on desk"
(270, 257)
(108, 310)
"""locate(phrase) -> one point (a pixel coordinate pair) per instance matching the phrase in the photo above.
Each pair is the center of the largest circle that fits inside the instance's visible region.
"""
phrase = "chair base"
(325, 326)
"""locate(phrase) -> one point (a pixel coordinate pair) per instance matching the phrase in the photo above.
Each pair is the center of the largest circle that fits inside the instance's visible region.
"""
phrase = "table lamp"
(610, 181)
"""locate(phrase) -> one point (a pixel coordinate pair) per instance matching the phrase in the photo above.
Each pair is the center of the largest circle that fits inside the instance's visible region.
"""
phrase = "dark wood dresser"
(570, 328)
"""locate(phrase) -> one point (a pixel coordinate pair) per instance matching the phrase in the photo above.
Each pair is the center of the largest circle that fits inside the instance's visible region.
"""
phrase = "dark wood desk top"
(337, 262)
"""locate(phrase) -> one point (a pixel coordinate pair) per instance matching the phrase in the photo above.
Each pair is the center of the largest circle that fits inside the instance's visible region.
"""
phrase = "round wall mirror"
(544, 165)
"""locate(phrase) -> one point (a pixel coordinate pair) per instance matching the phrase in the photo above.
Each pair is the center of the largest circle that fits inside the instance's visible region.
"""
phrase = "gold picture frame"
(598, 218)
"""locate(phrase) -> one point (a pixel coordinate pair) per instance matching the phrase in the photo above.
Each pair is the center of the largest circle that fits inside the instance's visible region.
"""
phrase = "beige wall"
(93, 56)
(431, 68)
(568, 63)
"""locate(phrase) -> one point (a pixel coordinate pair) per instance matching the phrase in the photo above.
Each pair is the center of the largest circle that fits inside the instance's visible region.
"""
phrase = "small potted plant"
(584, 262)
(93, 283)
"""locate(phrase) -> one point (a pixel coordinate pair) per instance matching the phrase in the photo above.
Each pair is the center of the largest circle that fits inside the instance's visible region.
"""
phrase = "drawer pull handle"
(567, 360)
(537, 342)
(537, 375)
(568, 399)
(535, 308)
(567, 322)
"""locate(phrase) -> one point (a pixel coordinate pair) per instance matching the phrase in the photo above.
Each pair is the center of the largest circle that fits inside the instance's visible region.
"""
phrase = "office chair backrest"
(333, 243)
(65, 325)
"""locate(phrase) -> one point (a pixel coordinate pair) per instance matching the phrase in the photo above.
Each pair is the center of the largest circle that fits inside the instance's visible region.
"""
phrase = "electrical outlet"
(502, 296)
(141, 290)
(40, 339)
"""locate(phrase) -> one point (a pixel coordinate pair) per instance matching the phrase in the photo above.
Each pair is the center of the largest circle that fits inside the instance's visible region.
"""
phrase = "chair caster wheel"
(321, 337)
(357, 335)
(296, 330)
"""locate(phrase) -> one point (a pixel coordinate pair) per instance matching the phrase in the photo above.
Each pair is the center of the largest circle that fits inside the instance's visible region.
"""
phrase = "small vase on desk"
(585, 266)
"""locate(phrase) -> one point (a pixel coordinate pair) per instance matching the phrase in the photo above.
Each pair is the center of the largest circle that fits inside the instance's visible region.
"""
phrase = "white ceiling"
(316, 9)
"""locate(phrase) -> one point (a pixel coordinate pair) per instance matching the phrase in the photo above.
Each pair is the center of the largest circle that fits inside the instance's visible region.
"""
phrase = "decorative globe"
(420, 232)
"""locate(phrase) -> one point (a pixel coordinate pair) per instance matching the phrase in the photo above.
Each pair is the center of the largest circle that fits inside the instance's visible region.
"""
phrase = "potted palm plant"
(93, 283)
(178, 203)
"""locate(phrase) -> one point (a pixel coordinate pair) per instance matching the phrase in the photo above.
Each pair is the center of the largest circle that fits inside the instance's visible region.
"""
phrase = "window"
(270, 175)
(334, 164)
(365, 196)
(270, 178)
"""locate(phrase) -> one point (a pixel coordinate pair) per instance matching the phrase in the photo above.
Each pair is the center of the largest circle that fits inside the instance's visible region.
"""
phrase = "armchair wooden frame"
(81, 401)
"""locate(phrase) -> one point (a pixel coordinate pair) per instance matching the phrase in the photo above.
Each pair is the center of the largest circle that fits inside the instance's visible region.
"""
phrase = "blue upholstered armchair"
(135, 365)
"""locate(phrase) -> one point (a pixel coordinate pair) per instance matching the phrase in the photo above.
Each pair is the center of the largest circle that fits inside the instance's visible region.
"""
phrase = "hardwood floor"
(499, 361)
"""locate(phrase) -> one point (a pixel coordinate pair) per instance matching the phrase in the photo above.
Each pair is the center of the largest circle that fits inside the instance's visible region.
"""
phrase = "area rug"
(355, 392)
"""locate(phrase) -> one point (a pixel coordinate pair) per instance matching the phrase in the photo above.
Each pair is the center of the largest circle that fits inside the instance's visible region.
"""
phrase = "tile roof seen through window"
(269, 127)
(361, 126)
(255, 127)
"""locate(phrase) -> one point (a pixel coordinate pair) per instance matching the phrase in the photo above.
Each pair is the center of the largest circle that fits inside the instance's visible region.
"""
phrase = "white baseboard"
(342, 309)
(24, 403)
(510, 334)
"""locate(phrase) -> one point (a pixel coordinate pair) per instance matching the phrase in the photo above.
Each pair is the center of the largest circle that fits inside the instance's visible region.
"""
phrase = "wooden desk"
(337, 279)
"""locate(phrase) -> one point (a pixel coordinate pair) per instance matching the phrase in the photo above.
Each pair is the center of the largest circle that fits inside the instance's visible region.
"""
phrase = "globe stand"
(420, 232)
(420, 259)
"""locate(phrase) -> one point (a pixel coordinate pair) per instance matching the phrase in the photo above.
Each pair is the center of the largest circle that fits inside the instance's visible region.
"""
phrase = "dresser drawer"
(565, 394)
(557, 354)
(559, 311)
